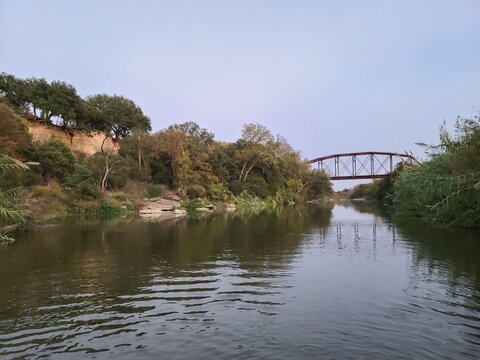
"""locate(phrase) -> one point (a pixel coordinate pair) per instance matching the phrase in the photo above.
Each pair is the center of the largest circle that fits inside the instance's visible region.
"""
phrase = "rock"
(210, 207)
(202, 209)
(173, 197)
(230, 207)
(180, 212)
(158, 207)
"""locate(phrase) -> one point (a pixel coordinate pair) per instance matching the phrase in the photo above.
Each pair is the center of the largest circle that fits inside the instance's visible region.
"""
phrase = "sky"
(330, 76)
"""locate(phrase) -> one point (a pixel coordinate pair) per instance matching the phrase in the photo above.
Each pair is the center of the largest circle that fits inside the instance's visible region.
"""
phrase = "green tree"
(139, 147)
(116, 115)
(253, 149)
(37, 91)
(13, 92)
(62, 101)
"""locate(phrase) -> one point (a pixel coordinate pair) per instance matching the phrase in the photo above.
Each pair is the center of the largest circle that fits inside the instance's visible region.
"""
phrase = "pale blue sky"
(331, 76)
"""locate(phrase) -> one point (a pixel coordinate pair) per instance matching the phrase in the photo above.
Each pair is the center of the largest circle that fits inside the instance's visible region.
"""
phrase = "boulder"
(158, 207)
(179, 212)
(230, 207)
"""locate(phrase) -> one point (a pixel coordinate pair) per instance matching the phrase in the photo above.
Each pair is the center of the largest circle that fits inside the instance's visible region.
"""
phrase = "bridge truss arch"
(361, 165)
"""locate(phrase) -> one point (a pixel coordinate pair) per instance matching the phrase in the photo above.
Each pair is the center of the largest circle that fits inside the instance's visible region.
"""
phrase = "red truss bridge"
(361, 165)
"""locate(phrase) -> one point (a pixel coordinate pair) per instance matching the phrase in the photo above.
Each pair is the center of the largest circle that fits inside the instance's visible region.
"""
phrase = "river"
(335, 283)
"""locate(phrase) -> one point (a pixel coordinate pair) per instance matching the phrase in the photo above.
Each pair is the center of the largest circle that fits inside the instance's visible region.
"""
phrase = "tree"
(139, 147)
(194, 131)
(116, 115)
(256, 134)
(62, 101)
(254, 148)
(13, 90)
(37, 91)
(173, 143)
(316, 183)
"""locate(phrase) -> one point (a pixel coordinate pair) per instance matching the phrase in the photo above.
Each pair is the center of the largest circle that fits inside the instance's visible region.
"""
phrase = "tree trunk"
(248, 171)
(241, 172)
(108, 168)
(139, 157)
(103, 142)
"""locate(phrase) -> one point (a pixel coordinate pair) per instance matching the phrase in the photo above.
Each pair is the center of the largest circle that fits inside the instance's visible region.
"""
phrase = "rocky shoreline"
(163, 209)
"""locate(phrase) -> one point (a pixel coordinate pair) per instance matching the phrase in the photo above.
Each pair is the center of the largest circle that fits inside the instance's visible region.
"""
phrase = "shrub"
(290, 192)
(83, 183)
(236, 187)
(442, 190)
(195, 191)
(362, 191)
(14, 136)
(104, 212)
(56, 159)
(219, 192)
(257, 186)
(134, 188)
(155, 190)
(192, 205)
(48, 202)
(245, 201)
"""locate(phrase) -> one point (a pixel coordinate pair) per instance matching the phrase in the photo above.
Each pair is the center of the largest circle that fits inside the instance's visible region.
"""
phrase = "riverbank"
(52, 202)
(49, 171)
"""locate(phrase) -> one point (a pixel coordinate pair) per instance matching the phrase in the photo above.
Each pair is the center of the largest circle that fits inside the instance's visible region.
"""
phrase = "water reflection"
(295, 283)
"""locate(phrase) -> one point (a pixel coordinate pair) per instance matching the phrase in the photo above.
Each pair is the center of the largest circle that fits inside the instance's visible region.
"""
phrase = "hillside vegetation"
(182, 159)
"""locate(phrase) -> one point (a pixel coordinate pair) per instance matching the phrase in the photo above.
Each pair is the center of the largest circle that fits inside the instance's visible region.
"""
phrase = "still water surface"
(341, 283)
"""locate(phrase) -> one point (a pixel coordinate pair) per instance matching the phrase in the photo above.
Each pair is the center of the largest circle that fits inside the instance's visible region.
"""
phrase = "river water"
(334, 283)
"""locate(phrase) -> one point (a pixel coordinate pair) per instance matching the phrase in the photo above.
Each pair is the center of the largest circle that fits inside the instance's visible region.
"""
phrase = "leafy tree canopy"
(116, 115)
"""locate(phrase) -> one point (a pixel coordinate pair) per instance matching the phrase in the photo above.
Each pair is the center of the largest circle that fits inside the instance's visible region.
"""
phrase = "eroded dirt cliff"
(80, 141)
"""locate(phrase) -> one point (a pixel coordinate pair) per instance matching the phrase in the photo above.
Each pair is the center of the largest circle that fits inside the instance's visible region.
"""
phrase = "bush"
(83, 183)
(236, 187)
(363, 191)
(48, 202)
(432, 192)
(290, 192)
(319, 184)
(245, 201)
(258, 186)
(104, 212)
(56, 159)
(192, 205)
(195, 191)
(15, 139)
(155, 190)
(443, 189)
(219, 192)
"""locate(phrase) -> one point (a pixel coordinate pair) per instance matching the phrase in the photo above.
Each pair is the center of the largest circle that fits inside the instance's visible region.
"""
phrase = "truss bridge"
(361, 165)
